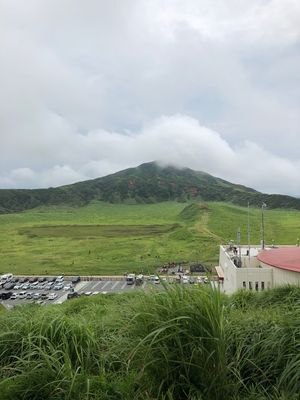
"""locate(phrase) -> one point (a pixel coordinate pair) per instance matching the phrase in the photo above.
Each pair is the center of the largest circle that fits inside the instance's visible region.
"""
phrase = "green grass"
(176, 344)
(104, 238)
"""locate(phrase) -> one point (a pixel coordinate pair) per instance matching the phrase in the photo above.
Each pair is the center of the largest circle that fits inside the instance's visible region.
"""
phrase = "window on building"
(244, 285)
(262, 285)
(256, 286)
(250, 285)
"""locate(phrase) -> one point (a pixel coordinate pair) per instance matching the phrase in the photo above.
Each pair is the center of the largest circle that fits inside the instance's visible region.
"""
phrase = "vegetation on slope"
(104, 238)
(148, 183)
(174, 345)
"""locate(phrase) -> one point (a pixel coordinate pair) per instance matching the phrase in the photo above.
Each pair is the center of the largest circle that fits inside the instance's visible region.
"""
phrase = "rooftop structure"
(287, 258)
(258, 269)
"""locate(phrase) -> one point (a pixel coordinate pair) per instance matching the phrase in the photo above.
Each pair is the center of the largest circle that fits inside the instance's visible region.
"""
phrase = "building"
(257, 269)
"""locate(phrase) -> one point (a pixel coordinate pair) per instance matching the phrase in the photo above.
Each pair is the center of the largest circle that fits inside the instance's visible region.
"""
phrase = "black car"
(42, 279)
(73, 295)
(51, 279)
(5, 295)
(33, 279)
(15, 280)
(76, 279)
(197, 268)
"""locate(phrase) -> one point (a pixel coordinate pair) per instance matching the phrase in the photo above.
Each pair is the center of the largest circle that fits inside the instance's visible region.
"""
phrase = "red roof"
(284, 257)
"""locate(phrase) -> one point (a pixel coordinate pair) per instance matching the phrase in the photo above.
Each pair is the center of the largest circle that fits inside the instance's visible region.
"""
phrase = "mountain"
(147, 183)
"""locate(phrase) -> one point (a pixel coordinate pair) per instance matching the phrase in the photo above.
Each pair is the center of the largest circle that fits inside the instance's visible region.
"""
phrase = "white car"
(68, 287)
(185, 279)
(36, 296)
(58, 286)
(17, 286)
(22, 295)
(52, 296)
(40, 286)
(25, 286)
(6, 278)
(14, 296)
(154, 278)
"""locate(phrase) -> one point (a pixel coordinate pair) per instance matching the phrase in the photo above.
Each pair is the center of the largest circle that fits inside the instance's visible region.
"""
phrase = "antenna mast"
(239, 246)
(262, 226)
(249, 246)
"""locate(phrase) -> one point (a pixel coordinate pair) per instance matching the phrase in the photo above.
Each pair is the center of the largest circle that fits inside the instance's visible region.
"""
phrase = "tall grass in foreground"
(175, 344)
(175, 341)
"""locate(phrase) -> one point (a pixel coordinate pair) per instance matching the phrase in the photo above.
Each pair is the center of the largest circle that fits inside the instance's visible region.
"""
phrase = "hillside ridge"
(147, 183)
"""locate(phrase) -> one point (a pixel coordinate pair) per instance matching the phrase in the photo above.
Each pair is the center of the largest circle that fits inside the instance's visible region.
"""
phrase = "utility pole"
(262, 226)
(249, 246)
(239, 246)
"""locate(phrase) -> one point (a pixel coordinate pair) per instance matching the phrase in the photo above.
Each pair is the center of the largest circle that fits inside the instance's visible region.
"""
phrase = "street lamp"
(262, 226)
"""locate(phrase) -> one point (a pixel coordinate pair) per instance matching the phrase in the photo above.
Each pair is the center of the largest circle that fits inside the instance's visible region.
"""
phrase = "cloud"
(178, 140)
(88, 88)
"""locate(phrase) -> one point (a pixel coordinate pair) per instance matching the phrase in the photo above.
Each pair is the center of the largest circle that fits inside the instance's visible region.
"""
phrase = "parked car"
(130, 279)
(36, 296)
(59, 279)
(22, 295)
(58, 286)
(75, 279)
(44, 296)
(48, 286)
(23, 280)
(52, 296)
(17, 286)
(40, 286)
(14, 296)
(154, 279)
(197, 268)
(9, 286)
(68, 287)
(202, 279)
(5, 295)
(42, 279)
(25, 286)
(72, 295)
(51, 279)
(6, 278)
(29, 295)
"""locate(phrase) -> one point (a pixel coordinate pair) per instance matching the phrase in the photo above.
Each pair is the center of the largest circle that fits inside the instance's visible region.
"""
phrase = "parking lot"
(55, 290)
(108, 286)
(41, 290)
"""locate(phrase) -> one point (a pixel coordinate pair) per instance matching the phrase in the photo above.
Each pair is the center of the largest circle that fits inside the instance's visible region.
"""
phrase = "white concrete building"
(259, 270)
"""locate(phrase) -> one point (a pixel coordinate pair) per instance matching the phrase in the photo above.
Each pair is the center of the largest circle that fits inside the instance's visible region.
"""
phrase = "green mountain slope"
(148, 183)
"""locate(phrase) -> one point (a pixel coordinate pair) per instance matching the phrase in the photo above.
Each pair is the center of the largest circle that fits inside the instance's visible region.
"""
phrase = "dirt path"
(202, 224)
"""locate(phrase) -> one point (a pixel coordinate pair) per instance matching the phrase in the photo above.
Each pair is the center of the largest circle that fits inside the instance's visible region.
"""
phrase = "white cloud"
(85, 85)
(178, 140)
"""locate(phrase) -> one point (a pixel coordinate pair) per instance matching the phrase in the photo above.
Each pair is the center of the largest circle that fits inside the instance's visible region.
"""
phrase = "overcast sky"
(91, 87)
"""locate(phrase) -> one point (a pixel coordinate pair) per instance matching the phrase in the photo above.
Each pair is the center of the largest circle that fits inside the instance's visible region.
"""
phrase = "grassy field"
(106, 238)
(176, 344)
